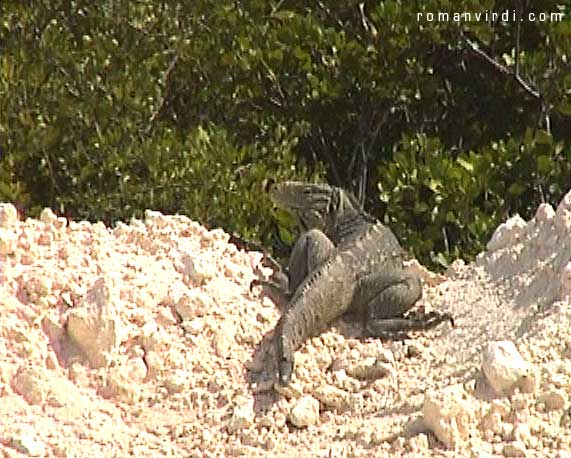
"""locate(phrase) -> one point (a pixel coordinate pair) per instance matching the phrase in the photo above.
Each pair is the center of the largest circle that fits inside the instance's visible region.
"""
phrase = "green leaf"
(283, 15)
(516, 189)
(564, 107)
(544, 164)
(543, 137)
(465, 164)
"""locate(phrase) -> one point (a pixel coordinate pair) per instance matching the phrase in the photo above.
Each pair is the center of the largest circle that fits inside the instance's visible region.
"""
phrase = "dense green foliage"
(442, 128)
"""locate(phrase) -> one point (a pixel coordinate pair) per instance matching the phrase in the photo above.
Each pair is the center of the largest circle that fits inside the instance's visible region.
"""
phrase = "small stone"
(554, 400)
(51, 361)
(195, 271)
(166, 316)
(491, 424)
(177, 381)
(117, 385)
(522, 433)
(136, 369)
(224, 339)
(370, 368)
(26, 442)
(48, 216)
(192, 304)
(194, 327)
(155, 218)
(305, 412)
(507, 430)
(94, 326)
(413, 350)
(8, 215)
(448, 416)
(31, 383)
(8, 242)
(419, 443)
(154, 363)
(345, 382)
(242, 415)
(501, 406)
(44, 286)
(514, 449)
(280, 419)
(291, 391)
(505, 369)
(333, 397)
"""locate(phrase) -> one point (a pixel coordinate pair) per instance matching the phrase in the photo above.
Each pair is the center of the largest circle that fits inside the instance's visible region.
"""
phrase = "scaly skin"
(327, 293)
(362, 271)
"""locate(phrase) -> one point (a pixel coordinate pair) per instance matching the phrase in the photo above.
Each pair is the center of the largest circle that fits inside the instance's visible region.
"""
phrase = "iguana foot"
(399, 326)
(275, 291)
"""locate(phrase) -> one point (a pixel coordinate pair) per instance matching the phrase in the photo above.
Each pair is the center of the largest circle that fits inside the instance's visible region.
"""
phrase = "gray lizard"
(345, 261)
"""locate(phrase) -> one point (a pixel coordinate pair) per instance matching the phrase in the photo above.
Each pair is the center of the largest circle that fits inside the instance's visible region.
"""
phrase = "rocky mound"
(144, 340)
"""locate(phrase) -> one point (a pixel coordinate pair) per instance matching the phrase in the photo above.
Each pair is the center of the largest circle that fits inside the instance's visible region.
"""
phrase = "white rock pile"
(145, 340)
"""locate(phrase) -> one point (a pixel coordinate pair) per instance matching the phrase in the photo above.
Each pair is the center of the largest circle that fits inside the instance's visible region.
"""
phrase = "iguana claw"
(254, 283)
(285, 369)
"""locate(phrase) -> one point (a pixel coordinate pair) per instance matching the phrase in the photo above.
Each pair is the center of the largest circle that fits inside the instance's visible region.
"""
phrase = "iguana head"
(316, 206)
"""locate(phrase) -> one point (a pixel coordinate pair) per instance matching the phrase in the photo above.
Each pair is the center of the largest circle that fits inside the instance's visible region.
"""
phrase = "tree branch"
(501, 68)
(327, 154)
(164, 96)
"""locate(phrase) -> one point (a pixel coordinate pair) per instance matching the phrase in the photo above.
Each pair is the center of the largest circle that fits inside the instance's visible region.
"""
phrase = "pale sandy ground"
(144, 340)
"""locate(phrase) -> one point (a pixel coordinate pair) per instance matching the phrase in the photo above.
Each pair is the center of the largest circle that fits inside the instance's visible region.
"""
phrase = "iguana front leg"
(310, 250)
(384, 297)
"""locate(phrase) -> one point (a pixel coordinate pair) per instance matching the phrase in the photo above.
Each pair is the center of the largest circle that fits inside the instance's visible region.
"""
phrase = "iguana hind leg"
(310, 250)
(395, 327)
(388, 296)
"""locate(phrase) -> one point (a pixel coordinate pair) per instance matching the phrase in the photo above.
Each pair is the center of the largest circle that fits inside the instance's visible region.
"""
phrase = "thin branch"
(276, 7)
(340, 24)
(164, 96)
(363, 175)
(327, 153)
(501, 68)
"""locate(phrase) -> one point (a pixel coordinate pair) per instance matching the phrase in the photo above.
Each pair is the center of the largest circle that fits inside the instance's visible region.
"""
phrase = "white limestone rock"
(193, 303)
(195, 271)
(177, 381)
(31, 383)
(26, 441)
(224, 339)
(8, 215)
(505, 369)
(370, 368)
(334, 398)
(242, 415)
(48, 216)
(449, 415)
(554, 399)
(94, 326)
(8, 242)
(305, 412)
(507, 233)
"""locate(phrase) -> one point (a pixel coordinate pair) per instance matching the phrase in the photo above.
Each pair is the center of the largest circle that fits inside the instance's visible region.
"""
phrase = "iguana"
(344, 261)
